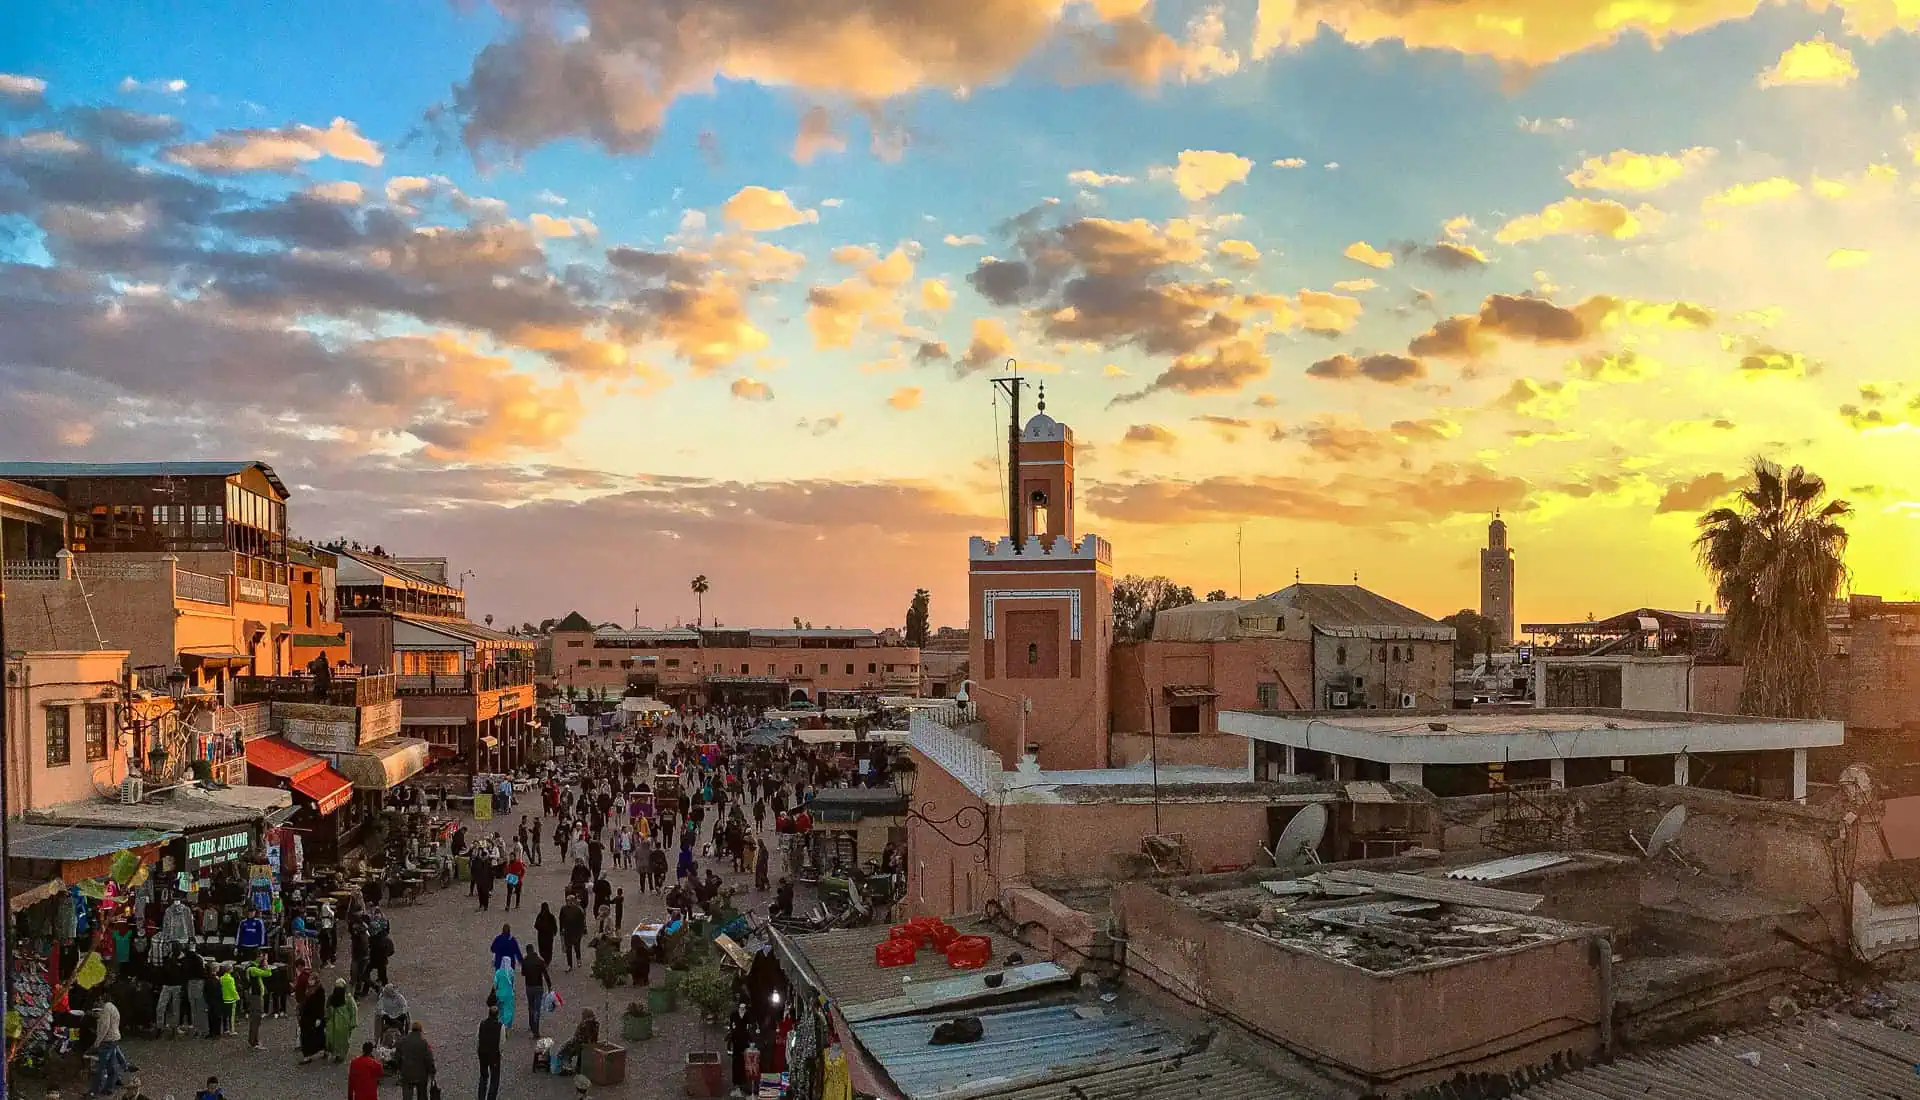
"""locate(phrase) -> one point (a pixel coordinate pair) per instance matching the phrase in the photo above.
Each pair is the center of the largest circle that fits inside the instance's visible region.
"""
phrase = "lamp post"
(971, 818)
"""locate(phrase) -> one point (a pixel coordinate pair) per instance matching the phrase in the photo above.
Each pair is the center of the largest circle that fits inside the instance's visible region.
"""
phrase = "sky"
(591, 296)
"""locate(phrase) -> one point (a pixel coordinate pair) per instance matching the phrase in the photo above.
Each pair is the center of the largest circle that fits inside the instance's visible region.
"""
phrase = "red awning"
(328, 788)
(271, 754)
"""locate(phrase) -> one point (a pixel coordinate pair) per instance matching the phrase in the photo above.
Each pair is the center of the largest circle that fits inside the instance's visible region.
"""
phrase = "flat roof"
(1395, 936)
(1485, 737)
(56, 470)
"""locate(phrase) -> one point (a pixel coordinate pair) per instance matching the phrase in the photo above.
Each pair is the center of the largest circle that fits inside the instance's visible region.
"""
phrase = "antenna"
(1240, 561)
(1300, 840)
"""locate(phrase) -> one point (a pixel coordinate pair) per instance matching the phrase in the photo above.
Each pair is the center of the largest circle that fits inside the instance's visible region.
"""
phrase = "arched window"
(1033, 653)
(1340, 656)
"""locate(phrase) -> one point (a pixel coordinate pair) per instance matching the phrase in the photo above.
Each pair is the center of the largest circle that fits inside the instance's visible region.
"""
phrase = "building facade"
(716, 666)
(1369, 652)
(1496, 582)
(312, 579)
(66, 737)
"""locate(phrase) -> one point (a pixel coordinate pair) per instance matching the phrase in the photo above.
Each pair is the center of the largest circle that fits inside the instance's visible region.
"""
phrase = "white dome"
(1044, 429)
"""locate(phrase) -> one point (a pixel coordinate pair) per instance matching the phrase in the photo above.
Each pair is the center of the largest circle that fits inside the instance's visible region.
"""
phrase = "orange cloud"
(1149, 435)
(1579, 217)
(1384, 367)
(758, 210)
(1362, 252)
(278, 150)
(751, 389)
(1625, 170)
(1204, 173)
(816, 136)
(905, 398)
(1816, 62)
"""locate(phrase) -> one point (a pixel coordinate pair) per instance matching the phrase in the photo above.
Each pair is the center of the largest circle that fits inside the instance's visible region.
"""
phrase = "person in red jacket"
(363, 1075)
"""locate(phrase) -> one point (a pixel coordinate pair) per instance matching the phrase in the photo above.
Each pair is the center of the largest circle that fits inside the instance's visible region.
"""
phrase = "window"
(585, 662)
(626, 662)
(772, 670)
(606, 663)
(799, 669)
(673, 662)
(849, 670)
(1183, 719)
(308, 621)
(1340, 656)
(1033, 653)
(744, 669)
(1268, 696)
(1396, 653)
(96, 732)
(823, 670)
(575, 645)
(871, 669)
(59, 738)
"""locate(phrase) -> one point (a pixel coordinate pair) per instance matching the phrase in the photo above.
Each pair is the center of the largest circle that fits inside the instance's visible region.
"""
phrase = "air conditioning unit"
(1408, 700)
(132, 790)
(1340, 700)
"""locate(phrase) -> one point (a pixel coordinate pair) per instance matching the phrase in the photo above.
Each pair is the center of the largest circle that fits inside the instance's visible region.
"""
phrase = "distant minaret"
(1496, 582)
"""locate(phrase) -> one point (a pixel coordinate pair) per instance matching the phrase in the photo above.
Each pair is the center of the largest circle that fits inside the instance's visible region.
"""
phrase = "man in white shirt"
(108, 1062)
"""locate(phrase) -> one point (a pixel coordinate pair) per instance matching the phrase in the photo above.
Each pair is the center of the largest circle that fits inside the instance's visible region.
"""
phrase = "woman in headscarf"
(503, 990)
(343, 1015)
(313, 1023)
(393, 1014)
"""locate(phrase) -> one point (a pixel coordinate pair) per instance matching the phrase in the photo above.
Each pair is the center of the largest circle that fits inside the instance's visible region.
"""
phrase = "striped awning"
(385, 764)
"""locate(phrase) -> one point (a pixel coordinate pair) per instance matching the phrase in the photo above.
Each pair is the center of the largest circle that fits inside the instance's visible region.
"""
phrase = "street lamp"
(975, 817)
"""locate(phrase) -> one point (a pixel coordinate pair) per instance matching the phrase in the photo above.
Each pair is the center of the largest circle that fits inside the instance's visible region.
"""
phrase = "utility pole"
(1011, 385)
(6, 733)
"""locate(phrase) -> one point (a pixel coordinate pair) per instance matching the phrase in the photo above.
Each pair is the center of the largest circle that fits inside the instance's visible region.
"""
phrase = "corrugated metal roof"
(1433, 889)
(1018, 1046)
(1494, 870)
(969, 987)
(186, 810)
(27, 471)
(1209, 1076)
(1341, 608)
(843, 961)
(1815, 1056)
(62, 843)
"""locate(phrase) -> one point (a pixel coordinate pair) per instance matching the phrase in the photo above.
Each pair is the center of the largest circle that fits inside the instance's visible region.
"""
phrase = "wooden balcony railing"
(343, 691)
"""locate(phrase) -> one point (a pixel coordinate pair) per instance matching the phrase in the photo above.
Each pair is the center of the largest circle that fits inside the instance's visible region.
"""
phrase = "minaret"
(1496, 581)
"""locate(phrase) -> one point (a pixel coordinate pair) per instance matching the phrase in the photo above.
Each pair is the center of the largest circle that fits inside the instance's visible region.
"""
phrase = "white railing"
(974, 765)
(201, 588)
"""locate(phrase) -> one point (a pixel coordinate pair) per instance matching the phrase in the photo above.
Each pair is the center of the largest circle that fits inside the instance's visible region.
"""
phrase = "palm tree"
(1777, 561)
(699, 596)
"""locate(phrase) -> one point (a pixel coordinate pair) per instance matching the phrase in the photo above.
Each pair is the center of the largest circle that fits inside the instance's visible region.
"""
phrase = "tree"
(1137, 600)
(547, 624)
(1778, 561)
(918, 616)
(1217, 595)
(699, 587)
(1473, 633)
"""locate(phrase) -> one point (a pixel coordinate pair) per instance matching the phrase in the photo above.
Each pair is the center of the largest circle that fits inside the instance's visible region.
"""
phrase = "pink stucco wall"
(69, 681)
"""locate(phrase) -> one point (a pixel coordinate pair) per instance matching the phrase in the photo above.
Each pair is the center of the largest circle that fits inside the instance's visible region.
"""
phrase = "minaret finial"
(1043, 397)
(1296, 574)
(1356, 576)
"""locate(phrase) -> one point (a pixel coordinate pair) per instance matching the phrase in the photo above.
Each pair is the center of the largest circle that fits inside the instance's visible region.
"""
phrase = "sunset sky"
(593, 295)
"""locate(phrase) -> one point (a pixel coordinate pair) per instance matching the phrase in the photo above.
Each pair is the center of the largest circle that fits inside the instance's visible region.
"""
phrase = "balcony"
(491, 678)
(343, 691)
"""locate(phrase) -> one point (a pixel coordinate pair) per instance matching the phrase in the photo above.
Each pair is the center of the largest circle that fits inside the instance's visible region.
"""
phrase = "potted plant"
(709, 989)
(609, 965)
(636, 1023)
(662, 996)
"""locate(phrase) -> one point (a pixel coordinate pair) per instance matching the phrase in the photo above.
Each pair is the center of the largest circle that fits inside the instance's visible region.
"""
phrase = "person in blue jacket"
(505, 947)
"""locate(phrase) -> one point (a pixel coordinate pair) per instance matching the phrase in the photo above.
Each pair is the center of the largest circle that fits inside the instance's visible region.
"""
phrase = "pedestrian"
(211, 1092)
(761, 859)
(415, 1058)
(657, 869)
(639, 959)
(483, 877)
(516, 880)
(596, 852)
(379, 953)
(504, 988)
(329, 940)
(535, 836)
(343, 1015)
(256, 978)
(313, 1023)
(363, 1075)
(533, 975)
(685, 868)
(108, 1060)
(506, 949)
(229, 999)
(173, 993)
(488, 1051)
(620, 907)
(545, 924)
(573, 929)
(210, 998)
(357, 940)
(279, 986)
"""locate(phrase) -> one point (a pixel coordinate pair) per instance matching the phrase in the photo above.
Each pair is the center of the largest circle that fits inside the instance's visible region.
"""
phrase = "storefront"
(327, 816)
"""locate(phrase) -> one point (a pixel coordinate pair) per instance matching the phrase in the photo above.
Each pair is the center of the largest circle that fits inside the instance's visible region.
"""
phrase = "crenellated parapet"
(1090, 548)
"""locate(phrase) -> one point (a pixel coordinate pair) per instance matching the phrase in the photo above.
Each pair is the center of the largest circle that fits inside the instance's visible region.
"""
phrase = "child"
(212, 1091)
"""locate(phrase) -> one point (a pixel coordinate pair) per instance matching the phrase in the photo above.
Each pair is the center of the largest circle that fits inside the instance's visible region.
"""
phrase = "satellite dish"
(1665, 832)
(1300, 839)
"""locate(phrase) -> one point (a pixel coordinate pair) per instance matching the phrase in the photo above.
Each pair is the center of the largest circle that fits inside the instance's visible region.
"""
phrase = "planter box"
(706, 1075)
(636, 1028)
(661, 999)
(606, 1064)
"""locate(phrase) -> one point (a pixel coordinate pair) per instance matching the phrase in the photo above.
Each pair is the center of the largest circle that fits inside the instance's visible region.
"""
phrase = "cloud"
(1842, 258)
(1149, 435)
(1290, 162)
(970, 240)
(1764, 360)
(1362, 252)
(935, 295)
(905, 398)
(1325, 314)
(1224, 369)
(1773, 189)
(1452, 256)
(1351, 499)
(1514, 317)
(1579, 217)
(607, 72)
(1625, 170)
(1545, 125)
(548, 226)
(345, 192)
(276, 150)
(822, 425)
(1204, 173)
(159, 85)
(403, 189)
(1695, 494)
(1355, 286)
(1549, 400)
(1239, 252)
(1428, 430)
(816, 136)
(751, 389)
(1384, 367)
(1816, 62)
(123, 127)
(1626, 365)
(759, 210)
(989, 348)
(1087, 177)
(866, 300)
(1226, 427)
(20, 89)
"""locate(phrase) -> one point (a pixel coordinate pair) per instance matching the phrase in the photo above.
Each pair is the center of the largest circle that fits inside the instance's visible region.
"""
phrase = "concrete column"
(1292, 768)
(1557, 771)
(1800, 775)
(1406, 773)
(1680, 769)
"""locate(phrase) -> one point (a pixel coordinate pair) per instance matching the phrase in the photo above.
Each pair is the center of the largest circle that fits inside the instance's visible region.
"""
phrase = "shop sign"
(205, 851)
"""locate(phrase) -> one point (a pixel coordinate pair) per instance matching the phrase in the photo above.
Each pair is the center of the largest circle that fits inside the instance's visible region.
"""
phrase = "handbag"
(433, 1089)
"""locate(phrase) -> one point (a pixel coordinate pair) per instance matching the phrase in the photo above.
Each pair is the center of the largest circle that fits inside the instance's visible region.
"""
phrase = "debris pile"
(1392, 936)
